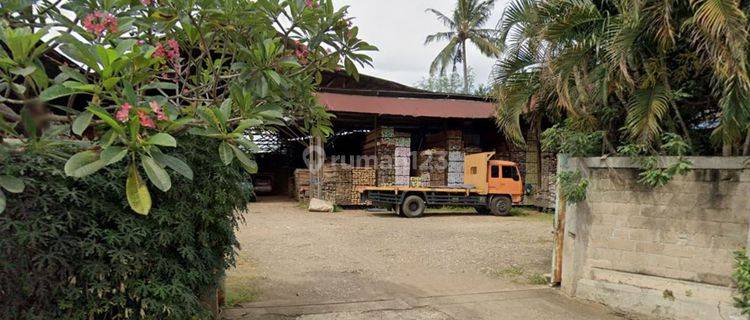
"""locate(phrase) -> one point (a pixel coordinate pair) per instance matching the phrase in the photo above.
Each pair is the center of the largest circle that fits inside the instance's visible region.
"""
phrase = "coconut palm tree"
(467, 24)
(632, 67)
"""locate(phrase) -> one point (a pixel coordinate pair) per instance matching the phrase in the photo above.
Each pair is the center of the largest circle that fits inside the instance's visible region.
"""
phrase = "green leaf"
(113, 155)
(56, 91)
(137, 193)
(174, 163)
(225, 152)
(24, 72)
(246, 124)
(110, 83)
(79, 87)
(28, 122)
(82, 122)
(104, 115)
(83, 164)
(226, 108)
(2, 201)
(250, 165)
(162, 139)
(12, 184)
(158, 176)
(273, 76)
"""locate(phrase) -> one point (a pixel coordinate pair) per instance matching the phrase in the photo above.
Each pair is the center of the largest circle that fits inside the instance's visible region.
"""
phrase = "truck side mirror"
(515, 175)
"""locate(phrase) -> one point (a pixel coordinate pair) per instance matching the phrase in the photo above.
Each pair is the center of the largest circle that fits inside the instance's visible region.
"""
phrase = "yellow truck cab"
(490, 186)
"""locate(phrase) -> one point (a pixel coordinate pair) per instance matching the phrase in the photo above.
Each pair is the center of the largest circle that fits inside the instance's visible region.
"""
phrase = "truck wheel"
(413, 206)
(500, 206)
(482, 210)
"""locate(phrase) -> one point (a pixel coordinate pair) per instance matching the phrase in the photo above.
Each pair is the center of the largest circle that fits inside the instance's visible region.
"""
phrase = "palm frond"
(486, 45)
(440, 36)
(448, 22)
(646, 109)
(446, 57)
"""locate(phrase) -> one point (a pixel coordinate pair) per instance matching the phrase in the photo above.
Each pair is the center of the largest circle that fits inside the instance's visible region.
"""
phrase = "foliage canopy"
(143, 73)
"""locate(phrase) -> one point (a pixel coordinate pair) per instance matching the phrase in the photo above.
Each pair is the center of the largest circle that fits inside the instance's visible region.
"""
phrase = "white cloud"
(399, 27)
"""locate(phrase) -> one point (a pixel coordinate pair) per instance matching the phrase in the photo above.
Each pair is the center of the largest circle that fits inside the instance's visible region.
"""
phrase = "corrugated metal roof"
(407, 106)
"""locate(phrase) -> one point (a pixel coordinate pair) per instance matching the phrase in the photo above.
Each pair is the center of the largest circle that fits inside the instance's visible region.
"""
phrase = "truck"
(490, 186)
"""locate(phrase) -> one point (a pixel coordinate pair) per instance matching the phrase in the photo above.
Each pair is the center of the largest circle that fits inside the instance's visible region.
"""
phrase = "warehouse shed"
(387, 133)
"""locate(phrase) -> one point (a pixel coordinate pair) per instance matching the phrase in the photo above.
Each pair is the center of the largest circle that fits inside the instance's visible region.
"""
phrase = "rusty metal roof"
(411, 106)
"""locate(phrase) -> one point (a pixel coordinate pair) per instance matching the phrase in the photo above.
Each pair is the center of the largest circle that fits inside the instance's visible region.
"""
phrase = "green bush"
(72, 248)
(742, 280)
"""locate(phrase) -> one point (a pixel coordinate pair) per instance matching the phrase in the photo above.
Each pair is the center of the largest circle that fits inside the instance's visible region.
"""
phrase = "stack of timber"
(301, 190)
(432, 166)
(452, 142)
(339, 183)
(402, 160)
(393, 152)
(361, 177)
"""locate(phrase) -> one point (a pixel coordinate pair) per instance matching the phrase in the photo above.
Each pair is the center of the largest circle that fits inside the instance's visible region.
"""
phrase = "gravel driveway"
(364, 265)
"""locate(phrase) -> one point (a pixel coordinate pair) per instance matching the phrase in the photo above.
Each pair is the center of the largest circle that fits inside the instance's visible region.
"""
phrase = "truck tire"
(413, 206)
(500, 205)
(483, 210)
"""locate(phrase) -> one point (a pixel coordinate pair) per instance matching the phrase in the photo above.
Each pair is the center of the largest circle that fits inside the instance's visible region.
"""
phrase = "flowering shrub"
(71, 248)
(141, 73)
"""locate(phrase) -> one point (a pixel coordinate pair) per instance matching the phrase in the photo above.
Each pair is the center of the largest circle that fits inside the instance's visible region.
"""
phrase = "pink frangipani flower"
(124, 113)
(145, 120)
(158, 111)
(97, 22)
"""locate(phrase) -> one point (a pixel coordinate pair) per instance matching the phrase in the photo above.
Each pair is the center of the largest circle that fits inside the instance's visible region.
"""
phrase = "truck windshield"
(510, 172)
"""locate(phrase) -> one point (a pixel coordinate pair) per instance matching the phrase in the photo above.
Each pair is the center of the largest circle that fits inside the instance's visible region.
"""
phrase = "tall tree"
(633, 69)
(467, 24)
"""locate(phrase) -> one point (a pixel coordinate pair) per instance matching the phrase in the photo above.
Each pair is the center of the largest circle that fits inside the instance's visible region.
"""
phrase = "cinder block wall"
(666, 252)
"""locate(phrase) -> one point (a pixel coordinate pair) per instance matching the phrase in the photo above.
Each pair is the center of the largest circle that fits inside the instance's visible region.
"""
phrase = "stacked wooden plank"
(402, 159)
(455, 142)
(432, 167)
(452, 142)
(361, 177)
(393, 152)
(301, 190)
(339, 183)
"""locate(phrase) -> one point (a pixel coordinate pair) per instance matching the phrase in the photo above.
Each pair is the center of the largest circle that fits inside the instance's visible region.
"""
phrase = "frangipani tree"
(139, 74)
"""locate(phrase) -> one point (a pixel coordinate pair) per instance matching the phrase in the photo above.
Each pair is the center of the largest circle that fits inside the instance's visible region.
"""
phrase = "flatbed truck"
(490, 186)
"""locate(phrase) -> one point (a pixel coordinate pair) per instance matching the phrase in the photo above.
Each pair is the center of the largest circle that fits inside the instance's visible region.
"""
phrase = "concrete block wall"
(661, 252)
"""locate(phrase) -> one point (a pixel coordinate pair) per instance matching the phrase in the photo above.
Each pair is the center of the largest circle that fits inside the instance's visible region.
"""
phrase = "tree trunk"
(746, 146)
(466, 68)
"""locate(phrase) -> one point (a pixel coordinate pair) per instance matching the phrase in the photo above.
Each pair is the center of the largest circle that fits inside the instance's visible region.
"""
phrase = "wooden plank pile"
(339, 183)
(301, 190)
(452, 144)
(432, 167)
(393, 152)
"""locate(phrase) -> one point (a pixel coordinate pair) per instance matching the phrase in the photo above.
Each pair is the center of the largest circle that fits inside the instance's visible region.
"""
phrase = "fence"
(661, 252)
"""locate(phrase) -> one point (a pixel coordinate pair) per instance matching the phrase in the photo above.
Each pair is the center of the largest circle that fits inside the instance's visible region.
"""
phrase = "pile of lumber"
(301, 190)
(339, 183)
(452, 144)
(393, 152)
(432, 167)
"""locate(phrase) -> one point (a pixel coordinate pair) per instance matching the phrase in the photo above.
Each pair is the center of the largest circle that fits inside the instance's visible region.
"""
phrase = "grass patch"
(510, 272)
(517, 274)
(240, 289)
(236, 295)
(537, 279)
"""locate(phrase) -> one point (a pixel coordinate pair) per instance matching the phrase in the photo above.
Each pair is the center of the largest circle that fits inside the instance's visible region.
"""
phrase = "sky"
(399, 27)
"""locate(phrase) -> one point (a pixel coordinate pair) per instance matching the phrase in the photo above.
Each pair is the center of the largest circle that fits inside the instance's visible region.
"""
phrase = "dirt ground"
(357, 264)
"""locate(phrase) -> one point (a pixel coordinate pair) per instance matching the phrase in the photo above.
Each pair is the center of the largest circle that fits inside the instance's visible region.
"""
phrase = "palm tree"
(469, 18)
(632, 67)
